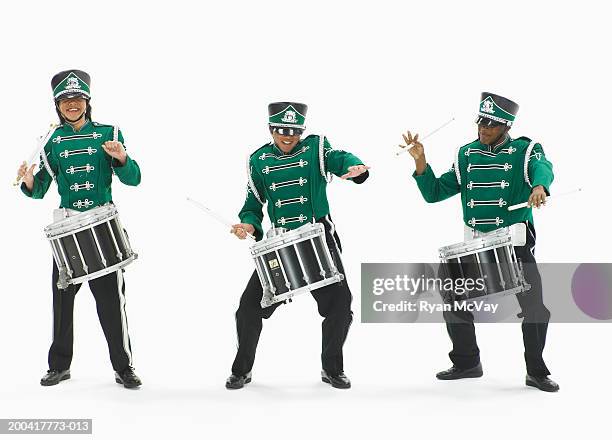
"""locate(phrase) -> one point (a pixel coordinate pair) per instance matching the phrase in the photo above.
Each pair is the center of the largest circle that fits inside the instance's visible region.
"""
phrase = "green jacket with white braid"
(81, 168)
(490, 180)
(293, 184)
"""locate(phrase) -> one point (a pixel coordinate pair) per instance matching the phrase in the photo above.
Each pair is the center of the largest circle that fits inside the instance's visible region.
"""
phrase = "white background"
(189, 84)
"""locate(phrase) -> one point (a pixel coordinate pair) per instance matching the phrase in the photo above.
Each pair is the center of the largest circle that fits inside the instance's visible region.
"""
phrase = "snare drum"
(89, 245)
(292, 262)
(490, 258)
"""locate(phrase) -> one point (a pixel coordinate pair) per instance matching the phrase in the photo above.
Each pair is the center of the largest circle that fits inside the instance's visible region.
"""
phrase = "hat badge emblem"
(487, 107)
(289, 117)
(72, 83)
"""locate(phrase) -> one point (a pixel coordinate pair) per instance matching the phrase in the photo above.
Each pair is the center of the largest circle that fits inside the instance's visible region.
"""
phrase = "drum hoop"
(92, 216)
(81, 228)
(305, 289)
(514, 291)
(483, 243)
(277, 246)
(476, 251)
(102, 272)
(288, 238)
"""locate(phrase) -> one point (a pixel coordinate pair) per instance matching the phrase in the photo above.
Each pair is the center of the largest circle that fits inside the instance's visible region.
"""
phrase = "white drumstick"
(216, 216)
(405, 150)
(41, 144)
(526, 204)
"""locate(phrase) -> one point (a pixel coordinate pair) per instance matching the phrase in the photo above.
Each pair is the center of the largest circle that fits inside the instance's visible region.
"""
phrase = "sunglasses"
(486, 122)
(284, 131)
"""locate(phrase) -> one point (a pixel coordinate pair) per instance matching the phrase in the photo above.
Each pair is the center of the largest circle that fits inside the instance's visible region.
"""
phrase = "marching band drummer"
(492, 173)
(81, 157)
(291, 175)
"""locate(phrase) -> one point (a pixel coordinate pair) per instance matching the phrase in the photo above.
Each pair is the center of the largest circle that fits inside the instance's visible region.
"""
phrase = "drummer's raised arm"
(38, 186)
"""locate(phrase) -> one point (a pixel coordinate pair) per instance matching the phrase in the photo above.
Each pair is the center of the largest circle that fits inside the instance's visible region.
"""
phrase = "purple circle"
(592, 290)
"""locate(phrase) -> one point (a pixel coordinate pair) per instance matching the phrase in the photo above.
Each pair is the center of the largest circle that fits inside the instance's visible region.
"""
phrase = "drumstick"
(36, 152)
(216, 216)
(525, 204)
(405, 150)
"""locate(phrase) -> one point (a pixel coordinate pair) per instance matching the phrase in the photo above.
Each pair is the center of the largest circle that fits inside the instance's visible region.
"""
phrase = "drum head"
(288, 237)
(79, 221)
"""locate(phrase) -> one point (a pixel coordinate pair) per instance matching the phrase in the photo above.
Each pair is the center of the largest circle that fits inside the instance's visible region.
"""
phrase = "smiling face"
(73, 109)
(489, 134)
(284, 142)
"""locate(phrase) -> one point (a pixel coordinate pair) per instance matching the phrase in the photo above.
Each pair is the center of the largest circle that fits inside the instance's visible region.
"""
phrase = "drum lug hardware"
(521, 272)
(62, 282)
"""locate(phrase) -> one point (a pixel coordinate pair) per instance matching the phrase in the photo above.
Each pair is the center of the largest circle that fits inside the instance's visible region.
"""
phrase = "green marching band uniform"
(83, 172)
(490, 178)
(294, 186)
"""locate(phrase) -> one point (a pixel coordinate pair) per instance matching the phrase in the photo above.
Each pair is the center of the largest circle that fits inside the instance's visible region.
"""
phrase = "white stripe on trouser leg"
(531, 249)
(332, 230)
(236, 329)
(124, 326)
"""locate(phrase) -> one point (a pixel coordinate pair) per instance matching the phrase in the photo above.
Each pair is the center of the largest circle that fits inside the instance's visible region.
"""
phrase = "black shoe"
(460, 373)
(236, 382)
(53, 377)
(543, 383)
(336, 380)
(128, 378)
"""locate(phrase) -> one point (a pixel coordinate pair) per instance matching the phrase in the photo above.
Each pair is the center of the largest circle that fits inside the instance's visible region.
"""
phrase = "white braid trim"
(250, 179)
(327, 176)
(526, 165)
(457, 170)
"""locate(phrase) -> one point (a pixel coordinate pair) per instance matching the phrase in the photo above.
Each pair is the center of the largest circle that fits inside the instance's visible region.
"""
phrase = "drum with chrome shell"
(89, 245)
(489, 258)
(291, 262)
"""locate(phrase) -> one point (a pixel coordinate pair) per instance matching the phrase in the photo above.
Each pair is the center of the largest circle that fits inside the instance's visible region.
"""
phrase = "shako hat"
(496, 110)
(71, 84)
(287, 115)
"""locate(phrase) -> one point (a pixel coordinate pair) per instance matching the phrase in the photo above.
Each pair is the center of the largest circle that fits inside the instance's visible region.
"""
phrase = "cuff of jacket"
(362, 177)
(124, 170)
(25, 190)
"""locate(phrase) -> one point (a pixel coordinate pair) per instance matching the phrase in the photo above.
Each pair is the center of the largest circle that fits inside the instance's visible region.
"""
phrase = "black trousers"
(460, 324)
(334, 305)
(109, 293)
